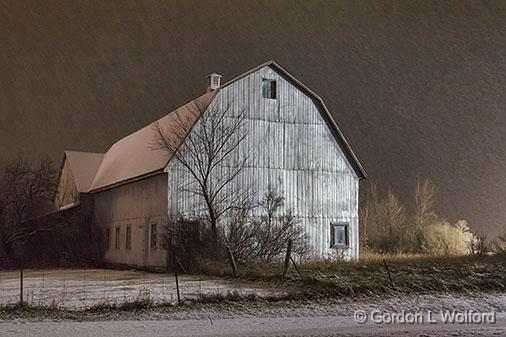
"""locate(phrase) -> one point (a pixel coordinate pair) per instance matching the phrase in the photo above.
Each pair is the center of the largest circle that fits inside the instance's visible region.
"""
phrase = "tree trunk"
(214, 231)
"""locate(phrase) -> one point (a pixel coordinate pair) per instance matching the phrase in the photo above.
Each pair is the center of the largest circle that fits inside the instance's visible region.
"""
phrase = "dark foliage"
(32, 233)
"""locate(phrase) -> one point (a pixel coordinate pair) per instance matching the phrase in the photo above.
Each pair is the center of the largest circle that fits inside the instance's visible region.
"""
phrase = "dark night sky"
(418, 88)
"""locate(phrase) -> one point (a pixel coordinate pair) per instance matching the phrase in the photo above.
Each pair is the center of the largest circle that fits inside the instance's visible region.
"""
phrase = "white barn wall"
(292, 149)
(136, 204)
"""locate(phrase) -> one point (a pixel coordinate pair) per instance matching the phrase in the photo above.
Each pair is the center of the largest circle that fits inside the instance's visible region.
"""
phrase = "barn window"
(128, 237)
(339, 235)
(117, 237)
(153, 236)
(108, 238)
(269, 88)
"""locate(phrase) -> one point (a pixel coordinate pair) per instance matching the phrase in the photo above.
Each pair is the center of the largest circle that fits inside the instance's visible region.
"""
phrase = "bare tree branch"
(205, 149)
(26, 190)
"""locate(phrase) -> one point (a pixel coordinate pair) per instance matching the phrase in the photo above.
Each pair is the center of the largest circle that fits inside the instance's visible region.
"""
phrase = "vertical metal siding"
(294, 150)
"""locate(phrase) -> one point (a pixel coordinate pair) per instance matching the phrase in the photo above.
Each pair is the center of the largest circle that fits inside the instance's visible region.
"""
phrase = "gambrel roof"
(338, 135)
(134, 157)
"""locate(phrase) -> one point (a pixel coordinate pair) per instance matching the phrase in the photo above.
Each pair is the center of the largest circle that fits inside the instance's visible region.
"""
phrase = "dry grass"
(409, 274)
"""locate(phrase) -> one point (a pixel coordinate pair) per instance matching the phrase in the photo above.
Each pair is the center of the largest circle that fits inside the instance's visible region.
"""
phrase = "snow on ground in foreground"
(82, 288)
(479, 302)
(274, 319)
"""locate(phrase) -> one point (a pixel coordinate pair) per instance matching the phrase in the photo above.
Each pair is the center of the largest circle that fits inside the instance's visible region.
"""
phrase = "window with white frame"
(339, 235)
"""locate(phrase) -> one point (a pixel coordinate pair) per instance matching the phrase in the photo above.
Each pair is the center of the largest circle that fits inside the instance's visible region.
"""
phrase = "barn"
(295, 145)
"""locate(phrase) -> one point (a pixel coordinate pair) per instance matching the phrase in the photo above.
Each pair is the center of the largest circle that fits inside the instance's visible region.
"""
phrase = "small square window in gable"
(269, 88)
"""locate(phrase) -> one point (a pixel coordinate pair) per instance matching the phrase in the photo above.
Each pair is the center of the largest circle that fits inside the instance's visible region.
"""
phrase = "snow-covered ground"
(280, 327)
(278, 319)
(81, 288)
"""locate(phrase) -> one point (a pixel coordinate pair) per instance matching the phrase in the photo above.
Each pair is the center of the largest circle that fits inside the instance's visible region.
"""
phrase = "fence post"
(84, 292)
(297, 268)
(287, 257)
(21, 287)
(388, 272)
(174, 264)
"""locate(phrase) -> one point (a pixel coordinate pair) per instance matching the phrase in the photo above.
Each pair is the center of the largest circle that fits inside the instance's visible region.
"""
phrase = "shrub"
(480, 245)
(265, 238)
(447, 239)
(261, 238)
(387, 227)
(500, 245)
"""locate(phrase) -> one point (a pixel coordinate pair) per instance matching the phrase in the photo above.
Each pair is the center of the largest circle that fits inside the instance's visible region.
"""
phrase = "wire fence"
(77, 289)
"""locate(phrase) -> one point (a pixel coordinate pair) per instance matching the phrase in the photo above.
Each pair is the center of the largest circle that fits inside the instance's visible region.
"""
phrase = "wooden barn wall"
(292, 150)
(67, 192)
(137, 204)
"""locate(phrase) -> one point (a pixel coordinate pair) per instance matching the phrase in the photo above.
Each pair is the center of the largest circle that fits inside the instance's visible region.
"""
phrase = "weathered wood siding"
(67, 193)
(137, 204)
(293, 150)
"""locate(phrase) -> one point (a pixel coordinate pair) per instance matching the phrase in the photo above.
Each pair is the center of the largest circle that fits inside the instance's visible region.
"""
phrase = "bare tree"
(27, 190)
(424, 214)
(5, 192)
(206, 143)
(386, 223)
(424, 201)
(369, 202)
(393, 219)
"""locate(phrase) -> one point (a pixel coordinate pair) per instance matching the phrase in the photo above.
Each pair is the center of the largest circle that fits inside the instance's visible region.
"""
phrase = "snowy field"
(82, 288)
